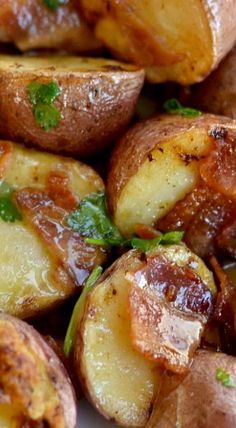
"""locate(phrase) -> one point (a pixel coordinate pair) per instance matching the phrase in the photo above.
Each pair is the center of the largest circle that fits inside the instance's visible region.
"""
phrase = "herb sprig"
(42, 97)
(8, 208)
(53, 4)
(224, 378)
(173, 106)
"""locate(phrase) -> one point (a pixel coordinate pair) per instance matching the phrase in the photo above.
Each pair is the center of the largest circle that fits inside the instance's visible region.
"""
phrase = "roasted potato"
(94, 101)
(165, 168)
(42, 261)
(205, 398)
(35, 388)
(181, 41)
(30, 24)
(217, 94)
(117, 378)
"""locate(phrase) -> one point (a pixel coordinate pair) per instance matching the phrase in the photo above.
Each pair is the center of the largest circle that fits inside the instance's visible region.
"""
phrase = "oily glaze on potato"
(165, 168)
(35, 388)
(217, 94)
(120, 381)
(41, 260)
(96, 102)
(176, 40)
(200, 400)
(30, 24)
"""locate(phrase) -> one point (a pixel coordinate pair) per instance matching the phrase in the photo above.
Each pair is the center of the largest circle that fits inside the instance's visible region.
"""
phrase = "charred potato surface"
(35, 388)
(96, 101)
(175, 40)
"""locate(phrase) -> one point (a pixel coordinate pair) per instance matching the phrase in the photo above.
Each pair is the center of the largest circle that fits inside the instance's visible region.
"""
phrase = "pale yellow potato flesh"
(160, 183)
(176, 40)
(27, 281)
(120, 382)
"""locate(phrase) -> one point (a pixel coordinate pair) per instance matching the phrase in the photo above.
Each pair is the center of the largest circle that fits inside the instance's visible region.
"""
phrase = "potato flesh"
(9, 416)
(160, 183)
(27, 281)
(180, 28)
(120, 382)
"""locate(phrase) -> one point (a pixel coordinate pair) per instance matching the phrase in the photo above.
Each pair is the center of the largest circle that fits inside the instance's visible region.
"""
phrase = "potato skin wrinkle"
(96, 103)
(35, 388)
(181, 41)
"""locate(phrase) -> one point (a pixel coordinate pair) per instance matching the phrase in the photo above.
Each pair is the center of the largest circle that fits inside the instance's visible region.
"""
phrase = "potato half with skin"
(35, 388)
(42, 262)
(181, 41)
(200, 400)
(161, 161)
(30, 24)
(119, 381)
(96, 103)
(217, 94)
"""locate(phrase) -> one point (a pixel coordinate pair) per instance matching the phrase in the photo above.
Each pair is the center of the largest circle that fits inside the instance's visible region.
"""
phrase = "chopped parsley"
(8, 208)
(53, 4)
(79, 310)
(224, 378)
(92, 221)
(168, 238)
(42, 97)
(173, 106)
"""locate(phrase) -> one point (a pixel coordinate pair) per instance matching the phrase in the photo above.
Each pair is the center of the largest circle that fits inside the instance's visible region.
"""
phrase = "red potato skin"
(95, 108)
(200, 400)
(54, 368)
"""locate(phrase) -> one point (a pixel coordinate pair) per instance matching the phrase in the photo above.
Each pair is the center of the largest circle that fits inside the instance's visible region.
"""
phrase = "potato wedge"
(119, 381)
(217, 94)
(35, 388)
(62, 28)
(201, 399)
(171, 160)
(181, 41)
(34, 274)
(96, 101)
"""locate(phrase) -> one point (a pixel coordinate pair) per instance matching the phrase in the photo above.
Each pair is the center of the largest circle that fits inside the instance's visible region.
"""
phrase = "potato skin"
(97, 101)
(134, 147)
(33, 378)
(62, 28)
(184, 49)
(217, 94)
(200, 400)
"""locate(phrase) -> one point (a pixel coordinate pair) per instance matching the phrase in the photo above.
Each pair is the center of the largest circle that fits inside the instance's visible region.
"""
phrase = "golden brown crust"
(33, 378)
(134, 147)
(96, 103)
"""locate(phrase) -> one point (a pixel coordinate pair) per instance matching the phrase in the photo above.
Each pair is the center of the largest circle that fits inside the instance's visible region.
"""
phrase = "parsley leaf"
(146, 245)
(79, 309)
(42, 97)
(224, 378)
(53, 4)
(92, 221)
(173, 106)
(8, 209)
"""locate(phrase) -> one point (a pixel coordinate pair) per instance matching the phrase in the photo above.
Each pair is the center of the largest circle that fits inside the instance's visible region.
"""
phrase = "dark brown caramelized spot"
(66, 246)
(59, 191)
(169, 306)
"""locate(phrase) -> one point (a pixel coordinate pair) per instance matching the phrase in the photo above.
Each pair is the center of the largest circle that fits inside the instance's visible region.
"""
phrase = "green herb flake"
(169, 238)
(92, 221)
(53, 4)
(173, 106)
(42, 97)
(79, 310)
(8, 208)
(224, 378)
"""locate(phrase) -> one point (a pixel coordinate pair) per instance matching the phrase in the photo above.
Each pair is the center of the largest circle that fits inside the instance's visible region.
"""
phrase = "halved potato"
(205, 398)
(176, 40)
(35, 388)
(30, 24)
(96, 102)
(169, 160)
(217, 94)
(34, 275)
(119, 381)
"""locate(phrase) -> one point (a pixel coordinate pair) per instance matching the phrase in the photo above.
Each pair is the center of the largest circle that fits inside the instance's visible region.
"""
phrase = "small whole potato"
(35, 388)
